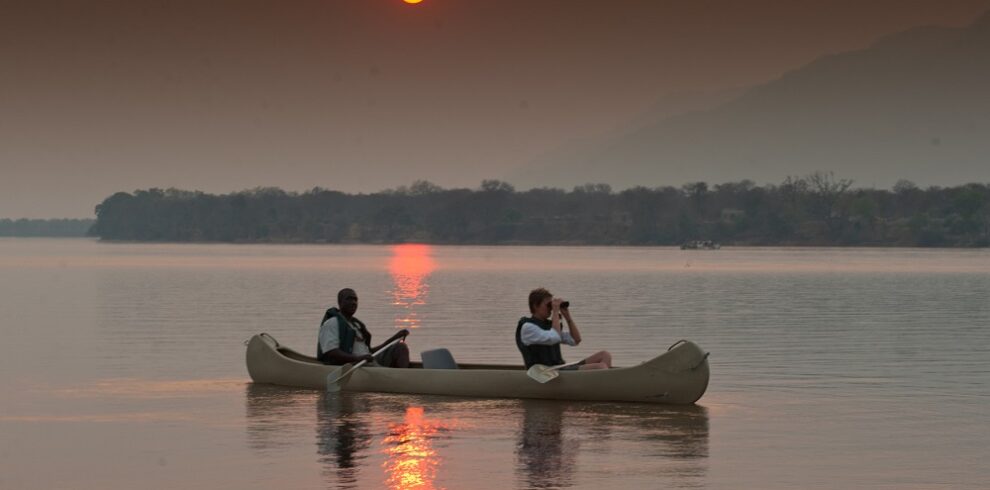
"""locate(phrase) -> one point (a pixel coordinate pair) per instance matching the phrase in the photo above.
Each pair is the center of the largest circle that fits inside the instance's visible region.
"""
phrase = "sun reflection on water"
(409, 267)
(412, 461)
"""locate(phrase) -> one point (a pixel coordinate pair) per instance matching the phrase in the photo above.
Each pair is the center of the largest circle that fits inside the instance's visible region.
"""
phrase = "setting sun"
(412, 1)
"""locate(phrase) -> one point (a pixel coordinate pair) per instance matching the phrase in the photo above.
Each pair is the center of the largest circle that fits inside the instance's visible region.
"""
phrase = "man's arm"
(338, 356)
(534, 335)
(571, 326)
(555, 315)
(400, 334)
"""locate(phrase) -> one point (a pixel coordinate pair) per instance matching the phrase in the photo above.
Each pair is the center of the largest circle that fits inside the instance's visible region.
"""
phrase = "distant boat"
(678, 376)
(701, 245)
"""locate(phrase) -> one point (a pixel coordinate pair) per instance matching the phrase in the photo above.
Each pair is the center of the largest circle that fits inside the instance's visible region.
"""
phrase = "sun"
(412, 1)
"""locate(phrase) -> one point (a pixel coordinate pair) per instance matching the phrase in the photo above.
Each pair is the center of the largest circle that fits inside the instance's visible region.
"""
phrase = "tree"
(492, 185)
(827, 191)
(815, 210)
(423, 188)
(593, 189)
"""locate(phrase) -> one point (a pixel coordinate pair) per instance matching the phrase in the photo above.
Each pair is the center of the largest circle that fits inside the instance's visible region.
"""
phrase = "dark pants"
(387, 357)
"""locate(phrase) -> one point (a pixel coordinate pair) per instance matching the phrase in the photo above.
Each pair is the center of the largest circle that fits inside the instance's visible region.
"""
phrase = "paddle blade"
(333, 380)
(542, 373)
(336, 378)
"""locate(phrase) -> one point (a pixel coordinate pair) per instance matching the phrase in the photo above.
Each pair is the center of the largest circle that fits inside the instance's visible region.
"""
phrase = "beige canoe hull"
(678, 376)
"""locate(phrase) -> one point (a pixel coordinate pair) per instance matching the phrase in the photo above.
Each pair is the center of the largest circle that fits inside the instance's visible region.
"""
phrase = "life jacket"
(345, 333)
(548, 355)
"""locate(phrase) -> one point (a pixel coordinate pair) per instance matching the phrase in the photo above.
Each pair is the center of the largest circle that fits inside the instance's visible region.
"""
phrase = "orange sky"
(362, 95)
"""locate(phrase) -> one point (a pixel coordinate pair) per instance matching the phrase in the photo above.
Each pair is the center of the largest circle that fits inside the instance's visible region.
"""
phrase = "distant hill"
(915, 105)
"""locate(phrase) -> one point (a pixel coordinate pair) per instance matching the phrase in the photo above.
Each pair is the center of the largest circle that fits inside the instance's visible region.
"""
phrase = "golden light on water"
(410, 266)
(412, 461)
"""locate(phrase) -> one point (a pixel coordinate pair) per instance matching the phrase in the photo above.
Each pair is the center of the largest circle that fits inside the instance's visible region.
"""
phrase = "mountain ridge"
(914, 105)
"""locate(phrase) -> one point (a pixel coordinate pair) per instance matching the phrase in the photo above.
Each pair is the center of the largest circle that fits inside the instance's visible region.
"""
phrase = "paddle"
(333, 383)
(542, 373)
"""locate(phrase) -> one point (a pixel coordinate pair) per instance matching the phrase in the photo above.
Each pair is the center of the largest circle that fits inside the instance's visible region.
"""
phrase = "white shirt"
(532, 334)
(330, 338)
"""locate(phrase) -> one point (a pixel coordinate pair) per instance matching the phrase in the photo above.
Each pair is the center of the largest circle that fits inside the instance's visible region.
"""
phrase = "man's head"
(539, 302)
(347, 301)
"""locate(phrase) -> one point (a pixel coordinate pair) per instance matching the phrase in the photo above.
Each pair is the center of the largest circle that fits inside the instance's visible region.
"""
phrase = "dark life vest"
(345, 334)
(548, 355)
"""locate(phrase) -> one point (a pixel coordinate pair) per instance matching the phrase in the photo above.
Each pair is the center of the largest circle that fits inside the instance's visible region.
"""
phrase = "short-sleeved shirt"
(330, 338)
(532, 334)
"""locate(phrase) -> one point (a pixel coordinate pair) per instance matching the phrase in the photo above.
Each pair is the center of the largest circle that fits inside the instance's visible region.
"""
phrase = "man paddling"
(343, 339)
(539, 337)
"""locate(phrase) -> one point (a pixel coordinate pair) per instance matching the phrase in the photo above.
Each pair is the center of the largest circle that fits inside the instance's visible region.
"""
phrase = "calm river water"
(122, 366)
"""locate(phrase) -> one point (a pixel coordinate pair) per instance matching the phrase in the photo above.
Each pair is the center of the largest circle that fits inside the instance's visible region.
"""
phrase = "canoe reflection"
(554, 433)
(280, 419)
(423, 442)
(342, 436)
(546, 458)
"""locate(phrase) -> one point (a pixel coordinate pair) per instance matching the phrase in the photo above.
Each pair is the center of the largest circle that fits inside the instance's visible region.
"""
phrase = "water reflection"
(271, 412)
(546, 459)
(554, 433)
(348, 427)
(409, 267)
(412, 460)
(418, 442)
(279, 419)
(342, 435)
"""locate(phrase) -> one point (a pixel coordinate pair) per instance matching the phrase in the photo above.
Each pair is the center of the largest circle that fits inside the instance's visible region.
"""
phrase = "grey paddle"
(333, 382)
(542, 373)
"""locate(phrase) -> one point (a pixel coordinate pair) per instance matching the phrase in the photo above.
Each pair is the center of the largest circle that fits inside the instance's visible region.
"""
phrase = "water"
(122, 366)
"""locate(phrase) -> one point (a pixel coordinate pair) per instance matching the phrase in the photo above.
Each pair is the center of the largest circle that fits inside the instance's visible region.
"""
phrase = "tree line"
(45, 227)
(817, 209)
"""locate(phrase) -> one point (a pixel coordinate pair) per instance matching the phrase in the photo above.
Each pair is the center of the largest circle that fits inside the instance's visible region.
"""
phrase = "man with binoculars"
(539, 336)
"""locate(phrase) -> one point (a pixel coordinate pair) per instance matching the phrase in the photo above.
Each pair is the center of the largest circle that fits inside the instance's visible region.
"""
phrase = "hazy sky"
(361, 95)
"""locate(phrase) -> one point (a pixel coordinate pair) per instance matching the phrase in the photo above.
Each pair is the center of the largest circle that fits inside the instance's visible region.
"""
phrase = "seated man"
(539, 337)
(344, 339)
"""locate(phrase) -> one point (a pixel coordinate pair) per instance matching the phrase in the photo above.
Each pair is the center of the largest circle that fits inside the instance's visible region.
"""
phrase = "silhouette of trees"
(45, 227)
(818, 209)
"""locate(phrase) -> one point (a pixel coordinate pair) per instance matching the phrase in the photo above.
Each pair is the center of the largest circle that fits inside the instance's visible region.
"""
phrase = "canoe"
(677, 376)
